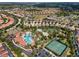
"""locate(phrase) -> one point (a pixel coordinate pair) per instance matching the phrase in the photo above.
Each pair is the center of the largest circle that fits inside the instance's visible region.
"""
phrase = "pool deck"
(20, 39)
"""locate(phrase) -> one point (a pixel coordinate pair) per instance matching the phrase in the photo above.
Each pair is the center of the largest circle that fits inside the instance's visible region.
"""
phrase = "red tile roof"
(3, 52)
(11, 21)
(5, 55)
(1, 49)
(20, 39)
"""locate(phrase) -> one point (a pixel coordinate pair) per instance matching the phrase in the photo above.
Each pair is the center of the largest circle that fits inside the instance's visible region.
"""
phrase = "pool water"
(28, 38)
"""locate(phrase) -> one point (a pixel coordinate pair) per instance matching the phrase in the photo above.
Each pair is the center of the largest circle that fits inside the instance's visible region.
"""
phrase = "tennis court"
(56, 47)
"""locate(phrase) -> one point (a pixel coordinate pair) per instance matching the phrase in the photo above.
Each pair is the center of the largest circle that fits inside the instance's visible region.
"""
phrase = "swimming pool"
(28, 38)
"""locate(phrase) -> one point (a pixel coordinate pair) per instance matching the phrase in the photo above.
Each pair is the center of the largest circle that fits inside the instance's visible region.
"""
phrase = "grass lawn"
(5, 20)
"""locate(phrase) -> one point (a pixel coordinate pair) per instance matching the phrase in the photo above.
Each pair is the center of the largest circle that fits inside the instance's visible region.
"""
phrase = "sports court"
(56, 47)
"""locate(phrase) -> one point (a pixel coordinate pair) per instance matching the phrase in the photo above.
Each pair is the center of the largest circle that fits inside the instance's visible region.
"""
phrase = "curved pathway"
(19, 20)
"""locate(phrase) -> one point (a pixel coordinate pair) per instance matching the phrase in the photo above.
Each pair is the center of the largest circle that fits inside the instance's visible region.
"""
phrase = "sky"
(39, 0)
